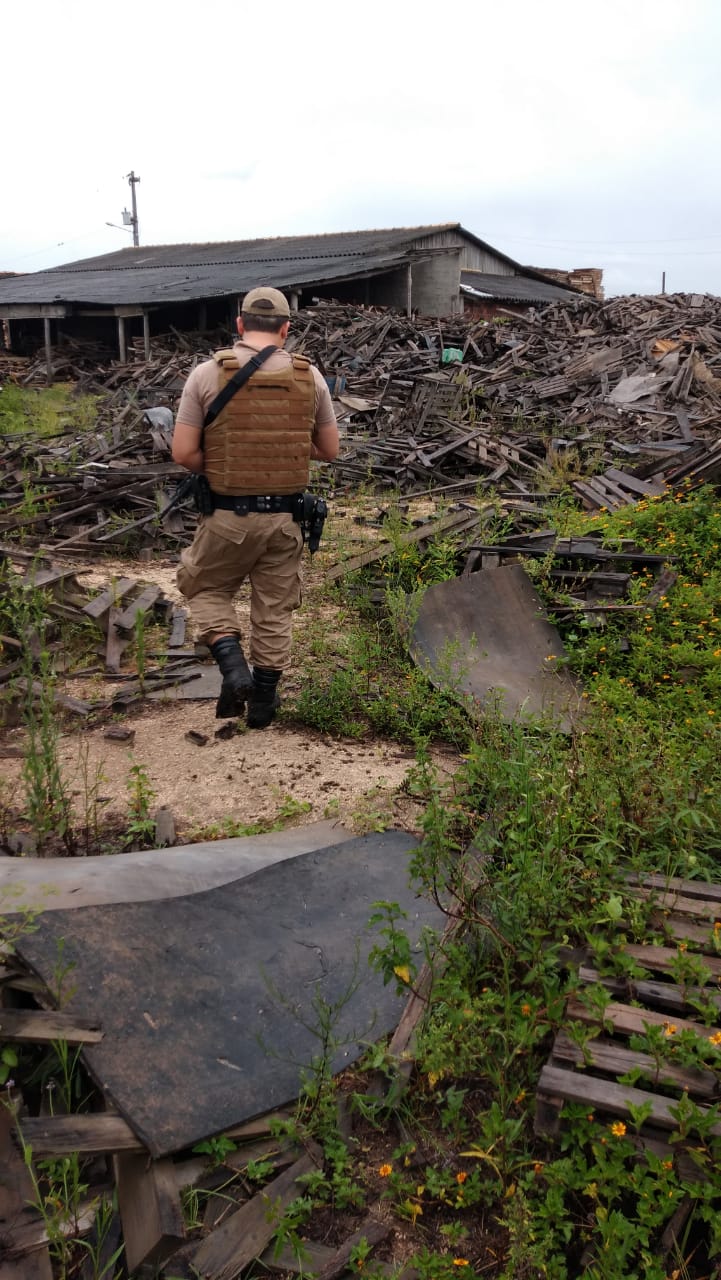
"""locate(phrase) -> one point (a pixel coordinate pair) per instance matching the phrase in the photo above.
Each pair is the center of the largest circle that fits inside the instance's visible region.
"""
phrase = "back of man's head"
(264, 310)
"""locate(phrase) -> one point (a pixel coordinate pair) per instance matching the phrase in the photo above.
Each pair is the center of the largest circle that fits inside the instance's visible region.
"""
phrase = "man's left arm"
(325, 441)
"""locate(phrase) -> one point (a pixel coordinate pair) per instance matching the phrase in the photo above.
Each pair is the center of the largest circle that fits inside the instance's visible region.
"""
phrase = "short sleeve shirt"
(203, 385)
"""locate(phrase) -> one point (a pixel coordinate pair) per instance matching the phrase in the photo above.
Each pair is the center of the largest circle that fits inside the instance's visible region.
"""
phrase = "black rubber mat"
(213, 1004)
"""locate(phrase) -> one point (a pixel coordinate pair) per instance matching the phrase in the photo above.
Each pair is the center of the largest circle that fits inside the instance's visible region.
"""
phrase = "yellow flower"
(618, 1129)
(670, 1028)
(460, 1262)
(715, 1038)
(461, 1177)
(385, 1170)
(526, 1010)
(403, 972)
(538, 1167)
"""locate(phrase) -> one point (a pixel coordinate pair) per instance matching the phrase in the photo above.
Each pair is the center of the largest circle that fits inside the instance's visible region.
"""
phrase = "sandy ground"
(278, 774)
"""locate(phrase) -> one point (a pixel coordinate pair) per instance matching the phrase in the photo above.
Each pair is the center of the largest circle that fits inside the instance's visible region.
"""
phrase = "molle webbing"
(260, 440)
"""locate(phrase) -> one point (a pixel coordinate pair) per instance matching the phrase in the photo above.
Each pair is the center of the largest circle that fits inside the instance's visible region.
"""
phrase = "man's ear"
(284, 330)
(239, 325)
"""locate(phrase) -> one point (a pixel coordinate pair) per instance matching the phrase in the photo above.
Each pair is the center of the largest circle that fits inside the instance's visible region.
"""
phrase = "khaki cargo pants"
(227, 549)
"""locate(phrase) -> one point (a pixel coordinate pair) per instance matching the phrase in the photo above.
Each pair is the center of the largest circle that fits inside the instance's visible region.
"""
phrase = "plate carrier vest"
(260, 441)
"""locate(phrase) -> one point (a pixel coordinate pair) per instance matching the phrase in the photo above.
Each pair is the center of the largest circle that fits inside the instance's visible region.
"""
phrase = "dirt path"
(279, 774)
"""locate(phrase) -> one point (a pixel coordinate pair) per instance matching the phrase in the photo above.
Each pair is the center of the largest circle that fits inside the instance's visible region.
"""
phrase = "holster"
(203, 496)
(310, 515)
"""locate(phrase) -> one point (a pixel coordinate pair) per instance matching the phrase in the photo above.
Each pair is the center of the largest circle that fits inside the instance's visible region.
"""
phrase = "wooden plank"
(610, 1097)
(687, 888)
(115, 642)
(125, 621)
(370, 1230)
(87, 1134)
(628, 1020)
(643, 487)
(676, 902)
(110, 596)
(16, 1211)
(40, 1026)
(667, 994)
(246, 1233)
(455, 523)
(665, 959)
(605, 1055)
(313, 1257)
(178, 623)
(150, 1209)
(685, 930)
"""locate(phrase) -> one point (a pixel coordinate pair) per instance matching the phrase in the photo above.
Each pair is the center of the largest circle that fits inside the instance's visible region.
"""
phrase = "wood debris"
(618, 399)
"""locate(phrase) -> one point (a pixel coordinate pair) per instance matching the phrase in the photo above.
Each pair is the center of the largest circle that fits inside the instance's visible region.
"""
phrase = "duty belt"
(272, 503)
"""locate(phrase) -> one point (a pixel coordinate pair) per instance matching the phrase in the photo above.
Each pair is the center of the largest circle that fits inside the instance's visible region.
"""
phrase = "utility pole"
(133, 219)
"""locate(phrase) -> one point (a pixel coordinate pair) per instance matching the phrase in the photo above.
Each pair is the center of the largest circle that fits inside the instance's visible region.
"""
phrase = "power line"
(595, 243)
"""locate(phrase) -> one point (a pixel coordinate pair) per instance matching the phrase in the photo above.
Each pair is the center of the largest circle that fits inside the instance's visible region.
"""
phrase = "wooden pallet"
(688, 913)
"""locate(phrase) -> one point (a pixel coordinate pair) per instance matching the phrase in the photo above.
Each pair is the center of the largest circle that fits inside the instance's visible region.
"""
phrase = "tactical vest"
(260, 441)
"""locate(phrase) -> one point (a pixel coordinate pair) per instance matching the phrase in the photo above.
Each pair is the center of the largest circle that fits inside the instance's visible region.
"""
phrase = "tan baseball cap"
(265, 302)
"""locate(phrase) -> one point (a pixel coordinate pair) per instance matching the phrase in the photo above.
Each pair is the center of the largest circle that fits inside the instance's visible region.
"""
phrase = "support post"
(146, 335)
(294, 300)
(122, 344)
(409, 290)
(48, 352)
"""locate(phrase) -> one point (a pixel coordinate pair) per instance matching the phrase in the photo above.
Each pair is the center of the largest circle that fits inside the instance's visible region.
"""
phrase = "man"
(255, 455)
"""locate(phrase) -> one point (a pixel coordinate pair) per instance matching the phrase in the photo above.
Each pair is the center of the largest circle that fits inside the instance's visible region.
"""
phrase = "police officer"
(255, 455)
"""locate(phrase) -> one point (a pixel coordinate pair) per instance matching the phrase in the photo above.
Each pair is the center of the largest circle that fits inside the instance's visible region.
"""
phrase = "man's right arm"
(187, 447)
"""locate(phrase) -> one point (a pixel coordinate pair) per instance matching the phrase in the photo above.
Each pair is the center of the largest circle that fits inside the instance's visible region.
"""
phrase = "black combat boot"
(237, 680)
(263, 701)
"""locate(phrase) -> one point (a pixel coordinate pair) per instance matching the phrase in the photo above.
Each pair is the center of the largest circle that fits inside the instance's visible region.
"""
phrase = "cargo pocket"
(212, 562)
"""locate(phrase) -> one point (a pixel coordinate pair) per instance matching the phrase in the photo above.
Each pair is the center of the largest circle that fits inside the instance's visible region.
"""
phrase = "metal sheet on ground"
(206, 685)
(53, 884)
(486, 635)
(210, 1003)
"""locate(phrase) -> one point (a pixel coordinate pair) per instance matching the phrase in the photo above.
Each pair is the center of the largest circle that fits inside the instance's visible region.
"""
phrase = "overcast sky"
(565, 133)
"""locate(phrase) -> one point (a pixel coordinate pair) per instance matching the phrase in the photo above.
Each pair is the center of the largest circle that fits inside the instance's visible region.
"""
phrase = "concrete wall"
(436, 285)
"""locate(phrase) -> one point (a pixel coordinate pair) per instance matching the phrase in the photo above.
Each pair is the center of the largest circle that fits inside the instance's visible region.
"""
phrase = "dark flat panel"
(486, 635)
(202, 998)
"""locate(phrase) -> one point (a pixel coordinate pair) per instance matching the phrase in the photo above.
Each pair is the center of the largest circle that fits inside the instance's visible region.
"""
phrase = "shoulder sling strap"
(235, 383)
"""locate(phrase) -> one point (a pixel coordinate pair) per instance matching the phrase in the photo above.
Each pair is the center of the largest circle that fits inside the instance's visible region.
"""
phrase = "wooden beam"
(38, 1026)
(455, 523)
(150, 1210)
(122, 343)
(91, 1133)
(146, 335)
(16, 1211)
(48, 352)
(245, 1234)
(33, 311)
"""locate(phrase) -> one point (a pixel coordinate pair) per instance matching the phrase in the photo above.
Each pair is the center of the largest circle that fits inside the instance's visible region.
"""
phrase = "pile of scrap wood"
(117, 612)
(618, 400)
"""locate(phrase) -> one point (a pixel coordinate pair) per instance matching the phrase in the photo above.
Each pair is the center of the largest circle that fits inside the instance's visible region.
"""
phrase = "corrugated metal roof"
(156, 274)
(182, 282)
(513, 288)
(151, 275)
